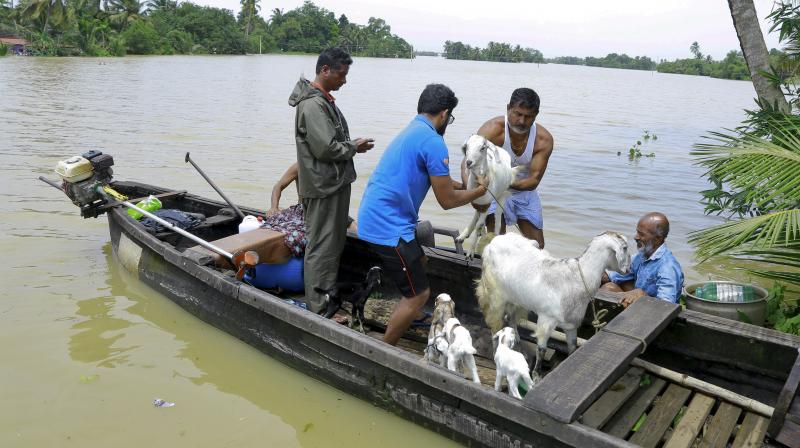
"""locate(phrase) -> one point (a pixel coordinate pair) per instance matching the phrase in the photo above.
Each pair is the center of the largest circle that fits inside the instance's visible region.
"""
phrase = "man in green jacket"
(325, 170)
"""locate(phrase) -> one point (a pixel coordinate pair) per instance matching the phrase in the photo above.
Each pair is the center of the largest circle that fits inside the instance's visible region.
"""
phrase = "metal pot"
(755, 310)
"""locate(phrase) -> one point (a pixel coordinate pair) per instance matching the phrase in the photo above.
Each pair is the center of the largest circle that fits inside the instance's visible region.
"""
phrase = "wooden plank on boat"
(609, 403)
(622, 422)
(692, 421)
(721, 426)
(660, 417)
(785, 398)
(790, 434)
(751, 433)
(578, 381)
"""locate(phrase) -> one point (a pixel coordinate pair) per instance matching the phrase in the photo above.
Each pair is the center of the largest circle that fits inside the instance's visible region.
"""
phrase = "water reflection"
(319, 414)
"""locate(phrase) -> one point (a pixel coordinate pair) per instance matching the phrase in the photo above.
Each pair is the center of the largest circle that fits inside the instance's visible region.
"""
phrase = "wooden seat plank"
(579, 380)
(721, 426)
(660, 417)
(691, 423)
(751, 433)
(622, 422)
(607, 405)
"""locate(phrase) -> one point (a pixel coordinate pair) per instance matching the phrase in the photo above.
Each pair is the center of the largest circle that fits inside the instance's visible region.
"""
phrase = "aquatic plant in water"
(635, 151)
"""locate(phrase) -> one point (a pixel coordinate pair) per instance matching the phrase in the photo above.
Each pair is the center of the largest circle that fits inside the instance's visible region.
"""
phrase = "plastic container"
(249, 223)
(699, 297)
(287, 275)
(150, 204)
(74, 169)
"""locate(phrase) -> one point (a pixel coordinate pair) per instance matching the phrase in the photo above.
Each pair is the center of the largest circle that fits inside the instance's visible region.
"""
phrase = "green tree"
(125, 12)
(695, 49)
(250, 9)
(141, 38)
(51, 13)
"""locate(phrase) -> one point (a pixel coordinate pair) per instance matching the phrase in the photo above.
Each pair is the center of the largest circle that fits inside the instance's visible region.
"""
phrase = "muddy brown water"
(86, 348)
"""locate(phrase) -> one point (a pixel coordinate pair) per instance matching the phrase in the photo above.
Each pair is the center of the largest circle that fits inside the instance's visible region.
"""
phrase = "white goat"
(519, 277)
(486, 160)
(445, 309)
(510, 363)
(460, 349)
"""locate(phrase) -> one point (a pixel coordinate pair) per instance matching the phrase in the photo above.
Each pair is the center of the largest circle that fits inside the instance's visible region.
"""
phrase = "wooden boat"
(592, 398)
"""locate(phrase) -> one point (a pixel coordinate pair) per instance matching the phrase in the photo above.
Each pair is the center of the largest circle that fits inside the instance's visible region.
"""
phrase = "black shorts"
(405, 265)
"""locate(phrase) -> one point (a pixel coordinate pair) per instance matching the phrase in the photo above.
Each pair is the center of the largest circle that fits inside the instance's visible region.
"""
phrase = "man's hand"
(364, 144)
(272, 211)
(482, 182)
(631, 296)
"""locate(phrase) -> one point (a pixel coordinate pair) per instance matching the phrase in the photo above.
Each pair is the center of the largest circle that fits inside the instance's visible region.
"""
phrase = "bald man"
(654, 270)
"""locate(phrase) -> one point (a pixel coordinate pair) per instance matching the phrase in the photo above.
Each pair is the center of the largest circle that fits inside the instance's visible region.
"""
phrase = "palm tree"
(761, 166)
(755, 52)
(162, 5)
(125, 12)
(695, 49)
(249, 9)
(50, 12)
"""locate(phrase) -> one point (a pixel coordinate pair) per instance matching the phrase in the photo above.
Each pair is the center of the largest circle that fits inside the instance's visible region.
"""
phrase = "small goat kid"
(356, 293)
(519, 277)
(460, 349)
(444, 310)
(486, 160)
(510, 363)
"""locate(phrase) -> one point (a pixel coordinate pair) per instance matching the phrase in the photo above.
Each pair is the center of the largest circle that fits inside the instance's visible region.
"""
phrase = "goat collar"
(433, 342)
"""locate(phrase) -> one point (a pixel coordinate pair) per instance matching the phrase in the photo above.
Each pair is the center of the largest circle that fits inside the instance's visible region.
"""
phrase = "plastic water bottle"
(249, 223)
(150, 204)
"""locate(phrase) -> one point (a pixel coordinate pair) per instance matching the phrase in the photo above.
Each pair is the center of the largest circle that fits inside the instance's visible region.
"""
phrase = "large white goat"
(519, 277)
(486, 160)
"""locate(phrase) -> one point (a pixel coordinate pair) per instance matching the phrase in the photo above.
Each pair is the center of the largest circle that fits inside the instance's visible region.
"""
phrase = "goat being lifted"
(486, 160)
(519, 277)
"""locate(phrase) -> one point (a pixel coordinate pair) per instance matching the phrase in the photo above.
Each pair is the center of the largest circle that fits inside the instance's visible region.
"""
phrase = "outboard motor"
(83, 178)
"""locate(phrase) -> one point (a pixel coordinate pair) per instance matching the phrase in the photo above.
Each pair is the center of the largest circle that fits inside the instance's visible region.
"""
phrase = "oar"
(214, 186)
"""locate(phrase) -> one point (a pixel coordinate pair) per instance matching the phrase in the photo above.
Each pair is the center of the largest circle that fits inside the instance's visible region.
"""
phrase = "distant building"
(17, 46)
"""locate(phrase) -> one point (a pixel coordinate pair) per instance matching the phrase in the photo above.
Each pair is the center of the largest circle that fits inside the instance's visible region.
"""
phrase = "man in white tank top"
(530, 145)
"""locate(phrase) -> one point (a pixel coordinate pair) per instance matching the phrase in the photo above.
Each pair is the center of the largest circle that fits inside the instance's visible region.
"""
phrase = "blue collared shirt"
(390, 205)
(659, 276)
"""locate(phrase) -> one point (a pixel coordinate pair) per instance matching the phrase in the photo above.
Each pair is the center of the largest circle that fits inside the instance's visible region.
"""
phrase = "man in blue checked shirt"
(654, 270)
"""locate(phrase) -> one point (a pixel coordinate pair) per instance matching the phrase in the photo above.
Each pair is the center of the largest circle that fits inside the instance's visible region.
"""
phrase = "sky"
(660, 29)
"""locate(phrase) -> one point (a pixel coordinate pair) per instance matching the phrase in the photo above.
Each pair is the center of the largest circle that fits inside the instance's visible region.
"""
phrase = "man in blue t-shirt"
(414, 161)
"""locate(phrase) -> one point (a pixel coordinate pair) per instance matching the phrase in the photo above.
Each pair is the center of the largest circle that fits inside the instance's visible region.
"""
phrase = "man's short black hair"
(436, 98)
(334, 58)
(524, 97)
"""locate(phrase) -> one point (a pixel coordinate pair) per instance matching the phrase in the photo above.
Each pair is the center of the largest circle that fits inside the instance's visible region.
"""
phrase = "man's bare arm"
(286, 179)
(448, 197)
(538, 164)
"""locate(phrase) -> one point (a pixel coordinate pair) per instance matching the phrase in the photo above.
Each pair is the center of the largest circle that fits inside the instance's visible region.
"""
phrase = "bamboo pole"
(679, 378)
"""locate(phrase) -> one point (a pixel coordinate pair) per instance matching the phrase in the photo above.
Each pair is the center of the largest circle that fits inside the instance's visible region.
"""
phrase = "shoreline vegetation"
(166, 27)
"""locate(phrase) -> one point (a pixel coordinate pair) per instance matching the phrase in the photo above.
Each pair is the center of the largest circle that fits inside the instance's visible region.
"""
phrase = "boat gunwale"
(389, 357)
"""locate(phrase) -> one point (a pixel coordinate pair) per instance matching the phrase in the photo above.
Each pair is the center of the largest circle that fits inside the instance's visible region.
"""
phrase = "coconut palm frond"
(764, 232)
(792, 278)
(767, 171)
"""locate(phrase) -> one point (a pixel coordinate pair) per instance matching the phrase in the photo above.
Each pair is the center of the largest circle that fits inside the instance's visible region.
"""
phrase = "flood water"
(86, 348)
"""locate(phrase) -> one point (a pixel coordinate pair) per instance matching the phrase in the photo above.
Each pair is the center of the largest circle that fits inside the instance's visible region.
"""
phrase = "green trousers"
(326, 232)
